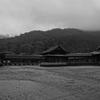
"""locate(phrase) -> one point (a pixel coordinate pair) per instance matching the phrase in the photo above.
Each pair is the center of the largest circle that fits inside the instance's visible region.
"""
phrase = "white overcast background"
(19, 16)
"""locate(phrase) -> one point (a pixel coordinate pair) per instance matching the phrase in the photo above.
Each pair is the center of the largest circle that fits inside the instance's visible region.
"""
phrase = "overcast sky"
(18, 16)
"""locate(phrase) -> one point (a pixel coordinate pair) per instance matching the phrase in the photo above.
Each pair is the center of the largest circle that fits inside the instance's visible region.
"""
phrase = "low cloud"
(18, 16)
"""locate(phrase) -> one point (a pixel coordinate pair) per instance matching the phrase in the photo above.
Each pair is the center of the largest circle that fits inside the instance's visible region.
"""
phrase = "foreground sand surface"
(41, 83)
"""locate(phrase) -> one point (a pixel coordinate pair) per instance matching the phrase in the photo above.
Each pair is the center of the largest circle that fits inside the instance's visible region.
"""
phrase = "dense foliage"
(33, 42)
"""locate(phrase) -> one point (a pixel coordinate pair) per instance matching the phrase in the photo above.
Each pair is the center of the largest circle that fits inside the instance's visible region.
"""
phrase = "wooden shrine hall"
(58, 56)
(54, 56)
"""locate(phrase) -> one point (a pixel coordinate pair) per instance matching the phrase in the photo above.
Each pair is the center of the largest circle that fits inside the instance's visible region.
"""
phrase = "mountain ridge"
(73, 40)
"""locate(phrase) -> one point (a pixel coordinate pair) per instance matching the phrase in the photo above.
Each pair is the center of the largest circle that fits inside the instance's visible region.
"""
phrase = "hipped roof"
(55, 50)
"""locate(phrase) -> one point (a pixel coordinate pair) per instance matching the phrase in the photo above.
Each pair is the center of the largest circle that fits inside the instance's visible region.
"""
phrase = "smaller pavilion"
(96, 56)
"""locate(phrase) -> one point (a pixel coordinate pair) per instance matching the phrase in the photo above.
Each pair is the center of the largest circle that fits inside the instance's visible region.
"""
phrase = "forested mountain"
(73, 40)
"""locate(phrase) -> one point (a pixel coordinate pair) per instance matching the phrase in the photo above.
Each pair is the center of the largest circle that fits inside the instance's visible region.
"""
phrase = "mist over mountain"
(73, 40)
(4, 36)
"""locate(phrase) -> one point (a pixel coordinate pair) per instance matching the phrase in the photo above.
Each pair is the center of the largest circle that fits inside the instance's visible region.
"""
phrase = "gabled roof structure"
(98, 49)
(56, 50)
(95, 52)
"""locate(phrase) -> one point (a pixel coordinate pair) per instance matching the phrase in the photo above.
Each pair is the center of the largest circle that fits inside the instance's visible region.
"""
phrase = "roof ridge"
(55, 47)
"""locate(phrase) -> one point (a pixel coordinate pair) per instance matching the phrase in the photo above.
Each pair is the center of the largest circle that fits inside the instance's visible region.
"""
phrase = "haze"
(19, 16)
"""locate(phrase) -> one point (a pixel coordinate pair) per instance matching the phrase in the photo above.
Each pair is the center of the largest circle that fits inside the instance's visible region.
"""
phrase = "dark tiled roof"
(24, 56)
(79, 54)
(56, 50)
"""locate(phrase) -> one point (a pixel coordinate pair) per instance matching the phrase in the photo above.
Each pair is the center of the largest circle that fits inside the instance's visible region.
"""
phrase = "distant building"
(55, 56)
(58, 56)
(22, 59)
(96, 57)
(79, 59)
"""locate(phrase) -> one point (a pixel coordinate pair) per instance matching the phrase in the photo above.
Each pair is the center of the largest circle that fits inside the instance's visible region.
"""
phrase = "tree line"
(35, 42)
